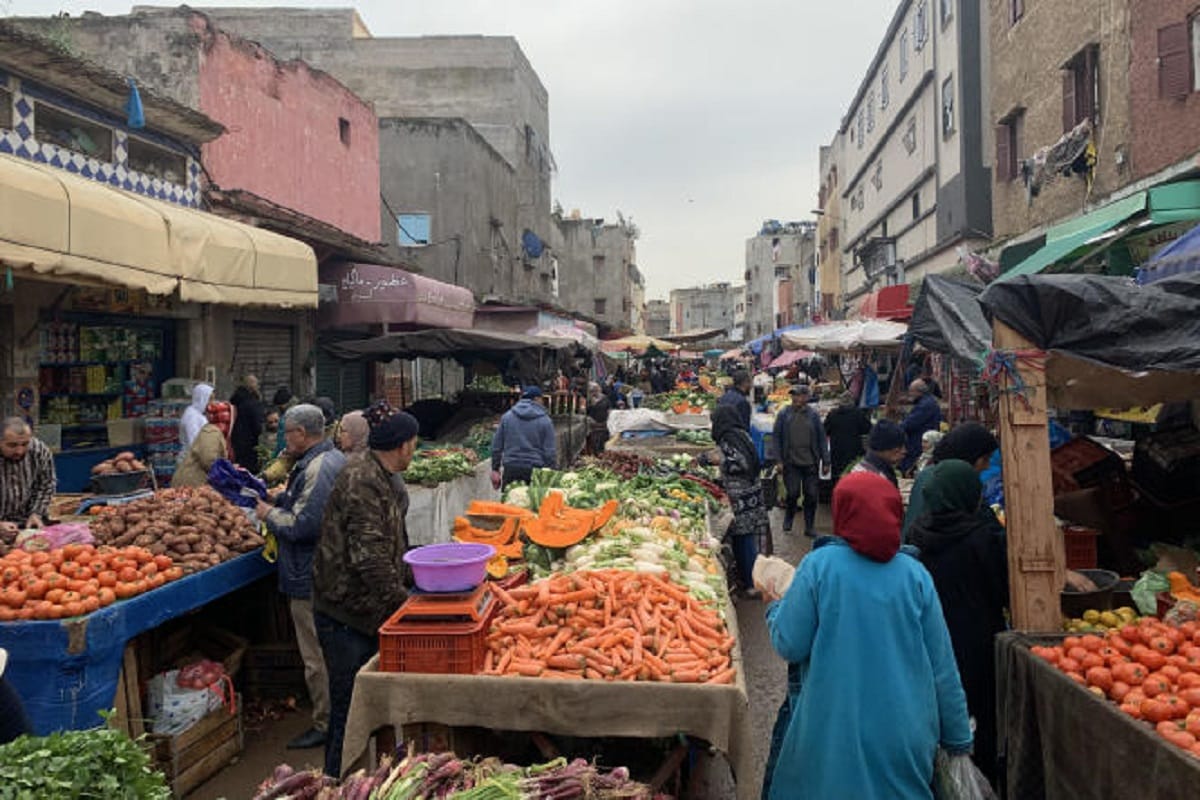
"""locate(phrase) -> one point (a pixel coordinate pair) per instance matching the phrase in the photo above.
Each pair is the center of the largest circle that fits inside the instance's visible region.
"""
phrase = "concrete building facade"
(658, 318)
(485, 80)
(829, 251)
(780, 274)
(706, 307)
(1164, 84)
(1055, 66)
(913, 180)
(444, 168)
(296, 137)
(598, 276)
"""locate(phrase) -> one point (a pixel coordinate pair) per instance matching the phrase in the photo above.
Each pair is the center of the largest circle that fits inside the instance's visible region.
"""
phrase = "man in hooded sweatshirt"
(524, 441)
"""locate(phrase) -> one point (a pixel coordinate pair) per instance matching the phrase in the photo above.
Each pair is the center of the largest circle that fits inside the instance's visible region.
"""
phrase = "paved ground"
(766, 675)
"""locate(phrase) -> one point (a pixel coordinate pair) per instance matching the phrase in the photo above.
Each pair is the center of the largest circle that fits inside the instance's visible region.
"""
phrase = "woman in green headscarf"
(966, 555)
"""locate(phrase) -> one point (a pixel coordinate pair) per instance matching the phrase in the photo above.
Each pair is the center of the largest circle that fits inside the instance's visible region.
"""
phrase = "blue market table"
(66, 671)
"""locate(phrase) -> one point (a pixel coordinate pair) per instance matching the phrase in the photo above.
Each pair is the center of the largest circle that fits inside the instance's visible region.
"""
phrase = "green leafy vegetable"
(101, 762)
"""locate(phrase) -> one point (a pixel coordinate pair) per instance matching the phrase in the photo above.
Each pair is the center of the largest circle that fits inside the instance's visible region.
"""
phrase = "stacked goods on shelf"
(161, 435)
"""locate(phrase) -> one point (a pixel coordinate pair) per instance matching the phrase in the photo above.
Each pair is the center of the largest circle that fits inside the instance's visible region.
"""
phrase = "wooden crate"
(274, 671)
(190, 758)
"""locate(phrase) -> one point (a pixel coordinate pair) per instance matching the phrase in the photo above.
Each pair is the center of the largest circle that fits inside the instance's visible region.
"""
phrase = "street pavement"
(766, 672)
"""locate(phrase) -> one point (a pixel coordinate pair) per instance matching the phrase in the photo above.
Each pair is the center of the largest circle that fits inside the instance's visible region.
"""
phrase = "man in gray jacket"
(802, 448)
(295, 521)
(524, 441)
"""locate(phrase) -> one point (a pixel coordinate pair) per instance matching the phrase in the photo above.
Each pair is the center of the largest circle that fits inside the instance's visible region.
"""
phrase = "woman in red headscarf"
(879, 688)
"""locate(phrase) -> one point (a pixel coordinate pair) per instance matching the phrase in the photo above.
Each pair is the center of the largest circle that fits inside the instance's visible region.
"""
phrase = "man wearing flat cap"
(802, 448)
(359, 574)
(524, 441)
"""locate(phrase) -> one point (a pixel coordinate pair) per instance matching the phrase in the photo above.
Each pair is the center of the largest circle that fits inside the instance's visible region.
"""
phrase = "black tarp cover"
(517, 356)
(947, 318)
(1108, 320)
(454, 343)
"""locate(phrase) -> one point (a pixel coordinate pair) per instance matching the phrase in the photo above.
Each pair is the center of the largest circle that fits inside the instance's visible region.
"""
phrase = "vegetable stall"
(1105, 714)
(607, 615)
(76, 597)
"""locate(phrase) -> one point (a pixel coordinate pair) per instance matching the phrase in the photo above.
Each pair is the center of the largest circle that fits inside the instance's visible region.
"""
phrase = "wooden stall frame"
(1036, 556)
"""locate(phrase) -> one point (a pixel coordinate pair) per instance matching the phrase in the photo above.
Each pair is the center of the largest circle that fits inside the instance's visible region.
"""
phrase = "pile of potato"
(121, 462)
(198, 528)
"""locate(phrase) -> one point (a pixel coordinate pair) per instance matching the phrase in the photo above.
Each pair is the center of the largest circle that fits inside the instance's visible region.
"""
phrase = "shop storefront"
(372, 300)
(117, 303)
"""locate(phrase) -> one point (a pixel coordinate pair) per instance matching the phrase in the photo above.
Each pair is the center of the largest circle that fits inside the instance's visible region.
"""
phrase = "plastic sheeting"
(1104, 319)
(948, 319)
(1180, 257)
(846, 336)
(65, 671)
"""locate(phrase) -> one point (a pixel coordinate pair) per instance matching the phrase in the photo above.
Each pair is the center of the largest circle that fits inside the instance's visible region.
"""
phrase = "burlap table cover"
(1061, 742)
(719, 715)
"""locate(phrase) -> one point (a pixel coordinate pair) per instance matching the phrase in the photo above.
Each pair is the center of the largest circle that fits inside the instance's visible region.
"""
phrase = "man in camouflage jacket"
(359, 575)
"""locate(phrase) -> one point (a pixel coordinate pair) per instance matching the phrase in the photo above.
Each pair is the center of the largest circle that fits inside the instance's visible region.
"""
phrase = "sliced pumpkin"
(497, 566)
(552, 504)
(554, 533)
(490, 508)
(605, 513)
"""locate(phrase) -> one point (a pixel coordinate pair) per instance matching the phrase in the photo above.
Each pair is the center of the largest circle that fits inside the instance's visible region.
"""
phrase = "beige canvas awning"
(65, 227)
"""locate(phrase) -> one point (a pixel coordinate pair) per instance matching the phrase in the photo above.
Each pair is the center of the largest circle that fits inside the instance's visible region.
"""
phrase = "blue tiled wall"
(20, 141)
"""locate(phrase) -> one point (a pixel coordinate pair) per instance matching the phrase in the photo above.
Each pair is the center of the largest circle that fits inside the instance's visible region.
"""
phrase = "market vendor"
(27, 478)
(524, 441)
(295, 520)
(359, 574)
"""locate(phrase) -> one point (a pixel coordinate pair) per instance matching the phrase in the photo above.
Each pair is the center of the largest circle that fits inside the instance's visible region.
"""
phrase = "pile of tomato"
(77, 579)
(1151, 669)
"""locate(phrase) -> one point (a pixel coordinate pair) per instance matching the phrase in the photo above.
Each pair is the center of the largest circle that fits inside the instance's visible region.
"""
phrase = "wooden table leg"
(669, 767)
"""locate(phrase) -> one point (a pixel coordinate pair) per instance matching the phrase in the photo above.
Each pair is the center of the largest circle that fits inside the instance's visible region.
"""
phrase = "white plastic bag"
(957, 778)
(173, 709)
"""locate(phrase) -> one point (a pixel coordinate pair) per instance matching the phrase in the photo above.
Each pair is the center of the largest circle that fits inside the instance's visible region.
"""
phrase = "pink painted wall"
(283, 140)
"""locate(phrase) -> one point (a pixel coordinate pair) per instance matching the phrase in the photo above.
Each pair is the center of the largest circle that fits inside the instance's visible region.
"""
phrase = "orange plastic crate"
(443, 634)
(1080, 547)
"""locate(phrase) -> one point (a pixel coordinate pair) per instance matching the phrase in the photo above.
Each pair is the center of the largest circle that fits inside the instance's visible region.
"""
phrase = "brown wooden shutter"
(1174, 61)
(1003, 164)
(1068, 110)
(1086, 89)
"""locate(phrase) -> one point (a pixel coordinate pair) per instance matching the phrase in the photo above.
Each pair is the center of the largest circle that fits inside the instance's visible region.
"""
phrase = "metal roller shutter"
(343, 381)
(266, 351)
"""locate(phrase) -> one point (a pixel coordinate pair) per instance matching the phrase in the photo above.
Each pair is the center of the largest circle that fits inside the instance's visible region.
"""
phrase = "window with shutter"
(1080, 84)
(1174, 61)
(1068, 110)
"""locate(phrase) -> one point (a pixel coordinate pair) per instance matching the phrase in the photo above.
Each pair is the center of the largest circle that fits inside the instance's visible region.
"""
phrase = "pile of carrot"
(608, 625)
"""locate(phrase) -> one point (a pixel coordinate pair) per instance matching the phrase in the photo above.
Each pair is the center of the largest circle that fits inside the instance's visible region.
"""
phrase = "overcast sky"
(696, 118)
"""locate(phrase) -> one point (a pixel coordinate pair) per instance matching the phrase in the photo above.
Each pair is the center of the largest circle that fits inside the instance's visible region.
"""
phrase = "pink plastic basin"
(453, 567)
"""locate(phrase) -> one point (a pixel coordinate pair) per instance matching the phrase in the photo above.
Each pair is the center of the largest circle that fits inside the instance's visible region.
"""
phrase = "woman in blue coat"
(879, 686)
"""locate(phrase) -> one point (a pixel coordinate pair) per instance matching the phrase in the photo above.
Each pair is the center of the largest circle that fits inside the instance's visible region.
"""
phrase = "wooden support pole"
(1036, 560)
